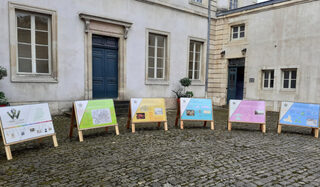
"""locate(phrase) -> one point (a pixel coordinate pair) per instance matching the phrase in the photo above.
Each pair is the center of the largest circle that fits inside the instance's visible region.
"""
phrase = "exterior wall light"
(244, 51)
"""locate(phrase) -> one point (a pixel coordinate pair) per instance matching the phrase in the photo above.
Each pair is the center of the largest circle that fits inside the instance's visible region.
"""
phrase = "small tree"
(181, 92)
(3, 99)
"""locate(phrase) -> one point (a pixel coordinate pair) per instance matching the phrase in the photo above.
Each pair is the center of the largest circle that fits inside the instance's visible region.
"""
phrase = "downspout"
(208, 48)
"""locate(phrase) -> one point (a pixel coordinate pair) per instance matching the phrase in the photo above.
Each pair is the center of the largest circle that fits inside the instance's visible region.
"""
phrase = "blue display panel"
(196, 109)
(300, 114)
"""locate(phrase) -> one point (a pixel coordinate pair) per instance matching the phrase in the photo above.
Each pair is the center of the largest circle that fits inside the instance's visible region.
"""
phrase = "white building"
(62, 51)
(267, 51)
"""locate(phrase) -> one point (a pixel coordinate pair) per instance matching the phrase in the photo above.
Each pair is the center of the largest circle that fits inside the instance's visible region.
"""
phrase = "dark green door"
(232, 83)
(105, 67)
(235, 79)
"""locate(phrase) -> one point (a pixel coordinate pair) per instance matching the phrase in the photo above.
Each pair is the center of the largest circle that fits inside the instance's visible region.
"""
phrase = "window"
(33, 44)
(33, 41)
(195, 58)
(237, 32)
(289, 77)
(197, 1)
(157, 56)
(233, 4)
(268, 78)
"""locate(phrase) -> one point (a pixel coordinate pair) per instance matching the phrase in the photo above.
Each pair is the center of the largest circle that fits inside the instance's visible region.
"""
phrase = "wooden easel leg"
(129, 117)
(212, 125)
(178, 113)
(312, 131)
(279, 128)
(264, 128)
(8, 152)
(316, 133)
(229, 126)
(80, 136)
(117, 129)
(40, 140)
(133, 127)
(55, 142)
(205, 124)
(261, 127)
(72, 124)
(165, 126)
(159, 124)
(181, 124)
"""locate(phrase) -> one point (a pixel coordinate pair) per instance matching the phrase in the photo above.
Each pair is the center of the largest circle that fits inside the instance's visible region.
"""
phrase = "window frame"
(193, 60)
(166, 65)
(269, 79)
(283, 70)
(33, 44)
(238, 32)
(202, 68)
(16, 76)
(155, 57)
(232, 3)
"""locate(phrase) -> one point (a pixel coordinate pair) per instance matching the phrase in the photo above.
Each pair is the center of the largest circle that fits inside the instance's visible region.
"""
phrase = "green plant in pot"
(3, 99)
(181, 92)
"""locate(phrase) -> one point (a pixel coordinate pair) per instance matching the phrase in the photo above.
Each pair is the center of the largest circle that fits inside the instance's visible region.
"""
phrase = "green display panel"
(95, 113)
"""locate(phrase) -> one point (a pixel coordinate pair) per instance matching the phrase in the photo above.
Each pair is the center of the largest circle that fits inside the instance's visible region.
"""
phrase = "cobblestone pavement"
(195, 156)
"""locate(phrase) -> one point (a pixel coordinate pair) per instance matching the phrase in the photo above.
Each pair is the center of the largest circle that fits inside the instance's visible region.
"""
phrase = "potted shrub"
(3, 99)
(182, 92)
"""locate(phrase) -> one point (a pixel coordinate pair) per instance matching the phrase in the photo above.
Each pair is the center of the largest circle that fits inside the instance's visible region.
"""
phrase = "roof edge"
(250, 7)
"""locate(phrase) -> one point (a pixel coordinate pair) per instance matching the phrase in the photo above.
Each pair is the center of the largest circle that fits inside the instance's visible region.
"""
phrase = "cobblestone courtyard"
(195, 156)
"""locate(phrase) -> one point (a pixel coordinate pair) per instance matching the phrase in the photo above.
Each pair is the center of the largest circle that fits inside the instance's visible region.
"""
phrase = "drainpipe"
(208, 48)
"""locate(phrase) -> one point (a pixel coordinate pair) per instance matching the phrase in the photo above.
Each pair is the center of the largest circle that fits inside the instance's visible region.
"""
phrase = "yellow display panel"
(148, 110)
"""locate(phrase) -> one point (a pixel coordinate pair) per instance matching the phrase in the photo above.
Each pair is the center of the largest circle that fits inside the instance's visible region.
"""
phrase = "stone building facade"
(267, 51)
(56, 51)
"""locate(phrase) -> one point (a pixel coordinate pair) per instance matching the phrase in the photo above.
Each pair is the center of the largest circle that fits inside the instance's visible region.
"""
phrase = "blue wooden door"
(232, 83)
(105, 67)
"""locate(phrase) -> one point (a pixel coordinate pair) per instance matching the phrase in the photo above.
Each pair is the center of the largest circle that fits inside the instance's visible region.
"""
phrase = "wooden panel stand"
(263, 126)
(76, 125)
(229, 126)
(314, 131)
(55, 142)
(178, 113)
(204, 123)
(7, 146)
(133, 125)
(8, 152)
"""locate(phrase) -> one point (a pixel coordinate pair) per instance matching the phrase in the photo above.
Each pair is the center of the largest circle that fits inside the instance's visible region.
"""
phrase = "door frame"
(115, 51)
(242, 63)
(105, 27)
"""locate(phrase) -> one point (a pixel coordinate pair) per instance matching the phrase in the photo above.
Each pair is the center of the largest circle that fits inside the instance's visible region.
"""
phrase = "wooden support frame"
(204, 123)
(314, 131)
(8, 148)
(76, 125)
(263, 126)
(133, 125)
(178, 116)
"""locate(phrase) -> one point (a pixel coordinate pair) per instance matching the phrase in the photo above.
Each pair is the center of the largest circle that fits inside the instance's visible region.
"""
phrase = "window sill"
(156, 82)
(197, 4)
(267, 89)
(197, 83)
(289, 90)
(34, 79)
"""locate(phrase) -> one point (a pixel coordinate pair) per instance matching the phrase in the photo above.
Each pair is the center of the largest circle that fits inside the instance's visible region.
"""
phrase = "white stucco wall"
(283, 37)
(71, 49)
